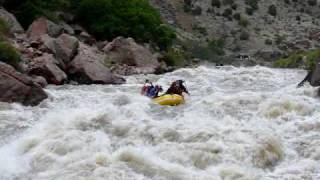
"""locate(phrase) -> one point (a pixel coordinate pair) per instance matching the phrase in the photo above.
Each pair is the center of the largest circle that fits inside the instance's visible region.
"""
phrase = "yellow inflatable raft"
(169, 100)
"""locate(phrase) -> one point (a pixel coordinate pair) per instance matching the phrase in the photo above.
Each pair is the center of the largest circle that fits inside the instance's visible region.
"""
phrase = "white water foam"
(238, 124)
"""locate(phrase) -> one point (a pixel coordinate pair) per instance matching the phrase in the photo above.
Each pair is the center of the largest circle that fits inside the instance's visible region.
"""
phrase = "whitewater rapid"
(238, 124)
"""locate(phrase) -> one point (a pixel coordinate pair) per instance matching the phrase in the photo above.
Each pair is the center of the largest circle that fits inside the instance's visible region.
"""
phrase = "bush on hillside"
(272, 10)
(253, 4)
(216, 3)
(244, 35)
(105, 19)
(296, 60)
(175, 57)
(243, 21)
(9, 55)
(312, 2)
(228, 2)
(135, 18)
(27, 11)
(4, 28)
(213, 49)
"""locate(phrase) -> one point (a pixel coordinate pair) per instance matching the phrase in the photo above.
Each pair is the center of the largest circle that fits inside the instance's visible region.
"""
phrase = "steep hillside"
(262, 29)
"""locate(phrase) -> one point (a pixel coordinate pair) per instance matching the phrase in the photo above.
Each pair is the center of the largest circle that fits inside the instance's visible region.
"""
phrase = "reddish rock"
(46, 66)
(125, 51)
(43, 26)
(87, 68)
(17, 87)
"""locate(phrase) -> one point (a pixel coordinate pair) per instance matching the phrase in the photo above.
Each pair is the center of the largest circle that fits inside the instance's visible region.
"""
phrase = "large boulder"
(315, 76)
(43, 26)
(87, 68)
(17, 87)
(125, 51)
(64, 48)
(14, 25)
(46, 66)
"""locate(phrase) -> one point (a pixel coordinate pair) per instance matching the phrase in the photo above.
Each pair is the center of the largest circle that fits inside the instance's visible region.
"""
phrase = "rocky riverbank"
(59, 53)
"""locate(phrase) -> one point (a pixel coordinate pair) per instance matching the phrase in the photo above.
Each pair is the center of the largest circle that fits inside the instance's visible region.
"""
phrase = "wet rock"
(87, 68)
(125, 51)
(315, 76)
(17, 87)
(40, 81)
(46, 66)
(14, 25)
(43, 26)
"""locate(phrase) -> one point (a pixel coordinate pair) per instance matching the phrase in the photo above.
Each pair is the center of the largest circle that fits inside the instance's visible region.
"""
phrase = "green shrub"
(27, 11)
(243, 21)
(249, 11)
(209, 51)
(216, 46)
(4, 28)
(228, 2)
(186, 8)
(227, 12)
(292, 61)
(196, 11)
(234, 6)
(175, 57)
(268, 42)
(9, 55)
(253, 4)
(200, 30)
(272, 10)
(312, 2)
(279, 39)
(237, 16)
(107, 19)
(244, 36)
(295, 60)
(216, 3)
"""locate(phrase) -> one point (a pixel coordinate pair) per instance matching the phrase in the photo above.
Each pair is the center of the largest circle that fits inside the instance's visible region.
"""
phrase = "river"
(244, 123)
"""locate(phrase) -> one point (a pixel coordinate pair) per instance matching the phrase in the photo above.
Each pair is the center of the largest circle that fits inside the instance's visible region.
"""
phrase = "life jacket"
(144, 90)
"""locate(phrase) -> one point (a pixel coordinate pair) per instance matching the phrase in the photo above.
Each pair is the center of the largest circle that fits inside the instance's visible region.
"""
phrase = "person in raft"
(177, 87)
(150, 90)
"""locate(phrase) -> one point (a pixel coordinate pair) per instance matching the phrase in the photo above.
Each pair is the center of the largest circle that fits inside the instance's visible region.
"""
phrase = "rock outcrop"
(46, 66)
(315, 76)
(14, 25)
(65, 47)
(245, 26)
(88, 68)
(41, 27)
(16, 87)
(126, 52)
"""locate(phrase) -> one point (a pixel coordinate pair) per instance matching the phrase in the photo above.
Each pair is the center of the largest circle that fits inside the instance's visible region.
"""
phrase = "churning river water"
(238, 124)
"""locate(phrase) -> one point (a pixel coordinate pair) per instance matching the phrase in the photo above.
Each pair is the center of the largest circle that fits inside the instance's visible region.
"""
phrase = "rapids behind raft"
(169, 100)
